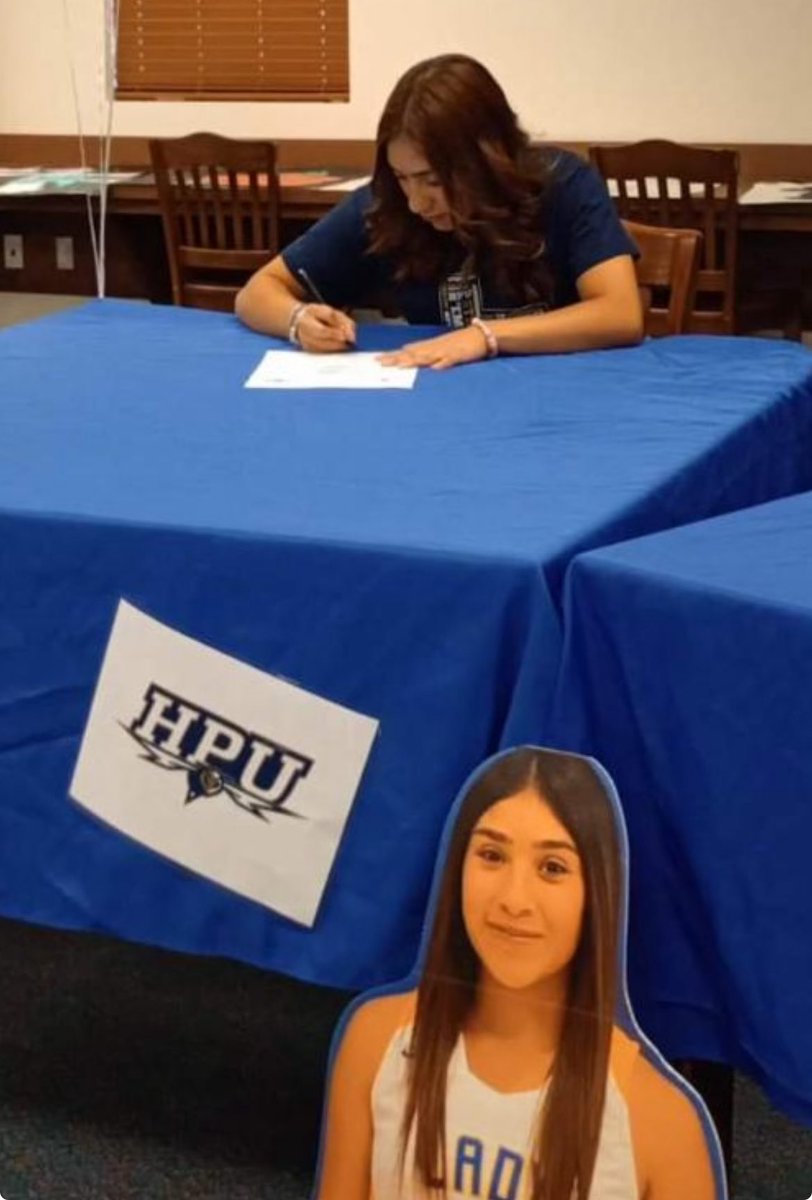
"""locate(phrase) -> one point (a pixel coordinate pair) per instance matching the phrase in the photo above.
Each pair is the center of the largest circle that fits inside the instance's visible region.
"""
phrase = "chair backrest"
(666, 273)
(664, 183)
(219, 201)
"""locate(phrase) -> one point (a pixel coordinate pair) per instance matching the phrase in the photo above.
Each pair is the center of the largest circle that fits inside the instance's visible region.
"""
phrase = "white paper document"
(768, 192)
(236, 774)
(352, 369)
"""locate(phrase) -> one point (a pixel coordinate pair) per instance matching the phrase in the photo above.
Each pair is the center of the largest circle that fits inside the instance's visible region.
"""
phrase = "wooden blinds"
(232, 49)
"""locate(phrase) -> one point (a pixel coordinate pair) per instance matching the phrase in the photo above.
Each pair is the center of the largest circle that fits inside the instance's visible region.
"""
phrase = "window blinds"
(232, 49)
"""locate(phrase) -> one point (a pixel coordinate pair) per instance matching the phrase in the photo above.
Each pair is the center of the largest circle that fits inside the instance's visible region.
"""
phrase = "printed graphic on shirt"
(477, 1173)
(460, 299)
(497, 313)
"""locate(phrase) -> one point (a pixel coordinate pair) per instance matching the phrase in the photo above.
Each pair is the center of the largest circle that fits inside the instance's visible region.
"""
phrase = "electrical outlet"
(13, 251)
(64, 254)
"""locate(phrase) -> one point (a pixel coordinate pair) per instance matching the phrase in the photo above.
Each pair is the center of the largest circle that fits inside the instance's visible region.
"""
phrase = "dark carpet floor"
(127, 1073)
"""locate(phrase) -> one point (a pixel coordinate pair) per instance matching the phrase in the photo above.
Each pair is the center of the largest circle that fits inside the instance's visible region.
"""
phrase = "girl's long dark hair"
(564, 1162)
(495, 182)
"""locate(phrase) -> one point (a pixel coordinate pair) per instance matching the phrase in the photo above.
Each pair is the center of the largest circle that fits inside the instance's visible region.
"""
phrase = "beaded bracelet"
(293, 325)
(491, 344)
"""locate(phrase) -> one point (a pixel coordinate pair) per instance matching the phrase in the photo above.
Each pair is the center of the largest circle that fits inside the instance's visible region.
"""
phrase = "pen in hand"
(315, 294)
(310, 286)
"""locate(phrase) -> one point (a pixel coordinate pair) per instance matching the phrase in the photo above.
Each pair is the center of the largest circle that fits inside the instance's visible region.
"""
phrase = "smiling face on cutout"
(523, 893)
(422, 189)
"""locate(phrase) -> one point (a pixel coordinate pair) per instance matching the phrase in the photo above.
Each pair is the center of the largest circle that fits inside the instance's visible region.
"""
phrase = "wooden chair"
(664, 183)
(666, 273)
(219, 201)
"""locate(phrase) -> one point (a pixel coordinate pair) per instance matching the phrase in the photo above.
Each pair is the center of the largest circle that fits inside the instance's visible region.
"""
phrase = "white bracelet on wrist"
(293, 324)
(491, 344)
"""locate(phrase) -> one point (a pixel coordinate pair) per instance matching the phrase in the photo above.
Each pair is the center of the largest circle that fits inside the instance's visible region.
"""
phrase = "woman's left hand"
(447, 350)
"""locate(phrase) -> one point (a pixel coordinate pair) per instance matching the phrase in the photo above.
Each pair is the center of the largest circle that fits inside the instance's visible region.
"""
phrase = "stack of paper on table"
(770, 192)
(50, 180)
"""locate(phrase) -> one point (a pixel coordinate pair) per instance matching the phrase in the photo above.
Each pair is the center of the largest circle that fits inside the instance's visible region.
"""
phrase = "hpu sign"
(240, 776)
(218, 756)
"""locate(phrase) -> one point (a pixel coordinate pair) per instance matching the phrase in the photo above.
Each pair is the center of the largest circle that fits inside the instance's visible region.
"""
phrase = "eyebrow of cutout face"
(546, 844)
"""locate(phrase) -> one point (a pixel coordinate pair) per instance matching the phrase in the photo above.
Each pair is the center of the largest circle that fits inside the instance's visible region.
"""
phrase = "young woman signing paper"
(516, 248)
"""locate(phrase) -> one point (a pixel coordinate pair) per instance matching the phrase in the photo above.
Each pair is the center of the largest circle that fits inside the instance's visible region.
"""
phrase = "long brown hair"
(563, 1164)
(495, 183)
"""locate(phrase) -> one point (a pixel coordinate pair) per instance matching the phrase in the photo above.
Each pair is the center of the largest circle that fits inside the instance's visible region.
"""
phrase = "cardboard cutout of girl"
(509, 1065)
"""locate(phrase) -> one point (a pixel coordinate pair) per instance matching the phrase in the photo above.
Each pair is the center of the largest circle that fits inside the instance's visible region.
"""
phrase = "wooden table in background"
(775, 245)
(136, 266)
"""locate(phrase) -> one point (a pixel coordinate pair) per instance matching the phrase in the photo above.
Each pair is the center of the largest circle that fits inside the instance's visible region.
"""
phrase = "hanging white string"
(77, 107)
(105, 92)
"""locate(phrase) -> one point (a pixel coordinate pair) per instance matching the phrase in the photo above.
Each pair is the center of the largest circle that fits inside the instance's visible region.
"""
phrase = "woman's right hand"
(325, 330)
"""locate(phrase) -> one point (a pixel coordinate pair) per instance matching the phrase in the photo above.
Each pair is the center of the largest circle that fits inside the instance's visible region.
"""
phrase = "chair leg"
(794, 326)
(714, 1082)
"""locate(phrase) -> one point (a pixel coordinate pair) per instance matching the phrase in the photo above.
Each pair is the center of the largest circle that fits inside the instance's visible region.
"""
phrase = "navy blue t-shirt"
(581, 229)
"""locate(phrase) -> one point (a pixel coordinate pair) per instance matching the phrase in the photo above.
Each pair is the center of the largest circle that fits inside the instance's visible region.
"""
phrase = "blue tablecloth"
(688, 672)
(400, 552)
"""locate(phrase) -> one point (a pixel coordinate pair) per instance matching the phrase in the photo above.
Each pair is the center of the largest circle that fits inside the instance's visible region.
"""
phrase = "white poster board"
(240, 776)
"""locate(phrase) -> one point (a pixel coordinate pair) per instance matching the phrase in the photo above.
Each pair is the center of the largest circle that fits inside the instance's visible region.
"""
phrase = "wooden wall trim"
(62, 150)
(758, 160)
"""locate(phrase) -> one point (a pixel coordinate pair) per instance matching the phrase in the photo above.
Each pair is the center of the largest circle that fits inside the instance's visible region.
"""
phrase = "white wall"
(693, 70)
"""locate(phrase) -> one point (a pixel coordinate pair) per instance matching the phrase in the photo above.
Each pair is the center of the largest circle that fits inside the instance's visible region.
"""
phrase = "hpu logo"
(218, 756)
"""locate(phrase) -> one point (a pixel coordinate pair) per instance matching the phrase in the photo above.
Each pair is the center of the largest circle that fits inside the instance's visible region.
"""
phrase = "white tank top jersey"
(490, 1134)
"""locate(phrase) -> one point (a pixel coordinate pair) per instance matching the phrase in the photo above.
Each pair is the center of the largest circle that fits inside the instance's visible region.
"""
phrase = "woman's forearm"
(587, 325)
(266, 304)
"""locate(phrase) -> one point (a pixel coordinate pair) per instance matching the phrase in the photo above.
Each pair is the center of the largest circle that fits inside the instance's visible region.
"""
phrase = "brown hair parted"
(563, 1163)
(453, 109)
